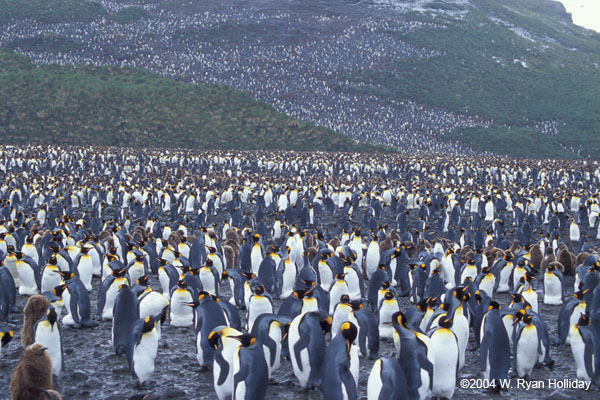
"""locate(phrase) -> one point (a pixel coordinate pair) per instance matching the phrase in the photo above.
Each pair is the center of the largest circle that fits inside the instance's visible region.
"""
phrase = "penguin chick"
(32, 377)
(34, 310)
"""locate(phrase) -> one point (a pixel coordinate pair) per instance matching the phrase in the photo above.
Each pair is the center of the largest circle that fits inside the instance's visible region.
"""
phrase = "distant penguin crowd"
(310, 260)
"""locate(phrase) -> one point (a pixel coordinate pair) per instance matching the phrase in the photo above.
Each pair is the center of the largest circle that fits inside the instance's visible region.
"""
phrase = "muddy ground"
(92, 371)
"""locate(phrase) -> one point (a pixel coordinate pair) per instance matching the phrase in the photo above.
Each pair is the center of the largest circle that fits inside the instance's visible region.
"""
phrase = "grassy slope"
(50, 11)
(558, 84)
(111, 106)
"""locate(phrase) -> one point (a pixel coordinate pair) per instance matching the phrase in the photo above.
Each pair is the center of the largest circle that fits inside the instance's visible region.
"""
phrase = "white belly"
(552, 290)
(144, 355)
(527, 353)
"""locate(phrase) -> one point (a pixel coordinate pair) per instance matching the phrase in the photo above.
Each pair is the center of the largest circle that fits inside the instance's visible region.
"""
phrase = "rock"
(173, 393)
(559, 394)
(78, 376)
(92, 384)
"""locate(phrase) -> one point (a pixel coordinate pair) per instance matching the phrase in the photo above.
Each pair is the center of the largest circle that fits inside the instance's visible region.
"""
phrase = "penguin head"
(349, 332)
(224, 275)
(386, 285)
(583, 320)
(389, 295)
(59, 290)
(143, 280)
(580, 293)
(66, 274)
(400, 319)
(259, 290)
(51, 315)
(182, 283)
(149, 324)
(345, 299)
(6, 337)
(445, 322)
(326, 323)
(494, 305)
(245, 339)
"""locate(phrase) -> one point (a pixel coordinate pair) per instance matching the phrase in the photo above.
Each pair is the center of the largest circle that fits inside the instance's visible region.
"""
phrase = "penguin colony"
(313, 262)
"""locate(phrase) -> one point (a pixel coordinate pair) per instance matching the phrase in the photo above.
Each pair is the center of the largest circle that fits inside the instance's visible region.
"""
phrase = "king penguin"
(444, 348)
(142, 347)
(306, 341)
(341, 365)
(47, 333)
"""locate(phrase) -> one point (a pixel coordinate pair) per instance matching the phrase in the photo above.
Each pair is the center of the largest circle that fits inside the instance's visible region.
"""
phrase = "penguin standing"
(29, 275)
(181, 315)
(34, 310)
(223, 340)
(526, 343)
(50, 277)
(494, 354)
(250, 372)
(444, 348)
(306, 343)
(108, 291)
(125, 313)
(77, 302)
(141, 348)
(582, 347)
(341, 365)
(387, 308)
(47, 333)
(553, 285)
(259, 303)
(387, 381)
(83, 266)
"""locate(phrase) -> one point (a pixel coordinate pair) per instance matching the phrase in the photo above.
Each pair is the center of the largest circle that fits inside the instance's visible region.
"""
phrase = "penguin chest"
(181, 315)
(309, 304)
(209, 284)
(273, 360)
(153, 304)
(487, 284)
(325, 274)
(163, 278)
(136, 271)
(111, 294)
(30, 250)
(340, 315)
(531, 297)
(258, 305)
(504, 277)
(28, 285)
(338, 289)
(552, 289)
(527, 350)
(85, 270)
(144, 355)
(518, 274)
(289, 277)
(372, 258)
(256, 258)
(50, 278)
(445, 361)
(578, 350)
(48, 335)
(387, 309)
(470, 271)
(353, 283)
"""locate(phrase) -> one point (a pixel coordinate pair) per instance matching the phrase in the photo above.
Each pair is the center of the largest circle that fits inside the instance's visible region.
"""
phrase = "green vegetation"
(49, 43)
(50, 11)
(125, 107)
(484, 68)
(126, 15)
(518, 142)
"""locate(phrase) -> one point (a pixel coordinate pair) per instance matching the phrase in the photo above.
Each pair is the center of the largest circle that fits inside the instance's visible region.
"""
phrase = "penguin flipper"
(224, 365)
(348, 381)
(301, 344)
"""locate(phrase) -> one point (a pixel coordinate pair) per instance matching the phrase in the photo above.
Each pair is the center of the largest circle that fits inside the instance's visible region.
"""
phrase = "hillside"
(505, 76)
(125, 107)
